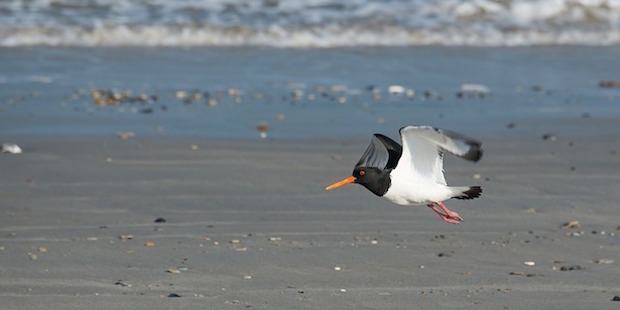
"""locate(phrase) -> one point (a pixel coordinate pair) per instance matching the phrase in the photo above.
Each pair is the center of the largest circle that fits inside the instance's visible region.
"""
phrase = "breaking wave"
(312, 23)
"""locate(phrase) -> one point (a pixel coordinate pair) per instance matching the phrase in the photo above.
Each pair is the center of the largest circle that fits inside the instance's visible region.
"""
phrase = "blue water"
(300, 93)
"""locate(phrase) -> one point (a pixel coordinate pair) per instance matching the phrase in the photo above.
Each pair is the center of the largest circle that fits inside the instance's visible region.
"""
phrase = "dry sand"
(249, 225)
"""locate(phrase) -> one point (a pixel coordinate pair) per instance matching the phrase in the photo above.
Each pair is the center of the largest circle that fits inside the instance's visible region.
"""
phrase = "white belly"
(412, 192)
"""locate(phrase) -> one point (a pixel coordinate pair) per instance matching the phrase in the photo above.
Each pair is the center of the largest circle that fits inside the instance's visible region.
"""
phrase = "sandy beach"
(98, 222)
(176, 154)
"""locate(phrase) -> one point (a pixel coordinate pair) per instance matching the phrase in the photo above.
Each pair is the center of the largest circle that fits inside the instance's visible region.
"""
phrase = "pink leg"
(450, 216)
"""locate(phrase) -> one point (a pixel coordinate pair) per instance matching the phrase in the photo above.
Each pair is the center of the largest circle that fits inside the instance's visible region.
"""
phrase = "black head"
(374, 179)
(373, 169)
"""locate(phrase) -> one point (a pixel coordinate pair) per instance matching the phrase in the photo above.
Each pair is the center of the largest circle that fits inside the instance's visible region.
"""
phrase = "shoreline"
(303, 94)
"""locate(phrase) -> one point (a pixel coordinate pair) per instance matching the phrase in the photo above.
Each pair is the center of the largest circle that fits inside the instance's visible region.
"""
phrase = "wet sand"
(97, 222)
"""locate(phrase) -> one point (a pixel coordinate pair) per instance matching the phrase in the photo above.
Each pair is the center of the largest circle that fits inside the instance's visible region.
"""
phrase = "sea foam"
(316, 23)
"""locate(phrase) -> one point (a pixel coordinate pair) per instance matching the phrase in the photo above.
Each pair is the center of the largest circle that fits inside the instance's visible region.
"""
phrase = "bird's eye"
(362, 172)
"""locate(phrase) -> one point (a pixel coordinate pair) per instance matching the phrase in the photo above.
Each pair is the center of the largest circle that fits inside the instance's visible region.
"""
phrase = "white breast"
(410, 189)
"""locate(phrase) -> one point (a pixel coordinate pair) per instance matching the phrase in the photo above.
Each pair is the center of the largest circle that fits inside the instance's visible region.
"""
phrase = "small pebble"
(337, 268)
(181, 94)
(571, 268)
(529, 263)
(124, 135)
(342, 290)
(11, 148)
(125, 237)
(149, 244)
(476, 88)
(197, 96)
(42, 249)
(396, 89)
(571, 224)
(172, 270)
(32, 256)
(275, 239)
(160, 220)
(193, 147)
(262, 126)
(549, 137)
(173, 295)
(429, 94)
(122, 283)
(234, 241)
(609, 83)
(616, 298)
(247, 277)
(233, 92)
(517, 273)
(604, 261)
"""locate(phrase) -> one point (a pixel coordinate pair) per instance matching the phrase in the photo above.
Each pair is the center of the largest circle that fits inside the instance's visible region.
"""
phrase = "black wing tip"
(475, 153)
(471, 193)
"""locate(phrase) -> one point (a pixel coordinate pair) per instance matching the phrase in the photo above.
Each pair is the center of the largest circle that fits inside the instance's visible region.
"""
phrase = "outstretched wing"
(382, 153)
(424, 146)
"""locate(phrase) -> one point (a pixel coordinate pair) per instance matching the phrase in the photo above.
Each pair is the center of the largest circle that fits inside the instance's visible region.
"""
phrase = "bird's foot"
(449, 216)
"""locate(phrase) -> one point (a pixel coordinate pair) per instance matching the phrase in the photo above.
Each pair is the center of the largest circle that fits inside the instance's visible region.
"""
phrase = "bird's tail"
(466, 192)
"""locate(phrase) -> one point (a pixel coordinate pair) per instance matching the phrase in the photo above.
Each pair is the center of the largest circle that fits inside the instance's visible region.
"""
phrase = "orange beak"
(346, 181)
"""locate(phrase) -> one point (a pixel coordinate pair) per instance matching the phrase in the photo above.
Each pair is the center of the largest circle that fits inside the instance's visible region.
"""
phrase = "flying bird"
(412, 174)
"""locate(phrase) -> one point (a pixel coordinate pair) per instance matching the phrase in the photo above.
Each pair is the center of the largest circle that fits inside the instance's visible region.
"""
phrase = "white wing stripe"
(423, 147)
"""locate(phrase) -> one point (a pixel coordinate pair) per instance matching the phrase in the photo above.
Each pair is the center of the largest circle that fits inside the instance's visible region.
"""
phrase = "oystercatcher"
(412, 174)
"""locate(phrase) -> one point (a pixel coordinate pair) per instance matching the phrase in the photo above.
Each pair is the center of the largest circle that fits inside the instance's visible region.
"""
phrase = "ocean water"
(303, 68)
(310, 93)
(309, 23)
